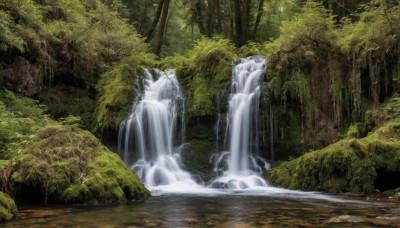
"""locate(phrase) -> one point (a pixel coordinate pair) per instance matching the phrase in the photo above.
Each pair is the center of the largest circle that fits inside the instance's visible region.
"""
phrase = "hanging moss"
(348, 165)
(116, 89)
(203, 71)
(8, 209)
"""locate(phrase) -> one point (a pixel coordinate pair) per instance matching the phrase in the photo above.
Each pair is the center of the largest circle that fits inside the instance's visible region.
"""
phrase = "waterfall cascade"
(146, 137)
(239, 167)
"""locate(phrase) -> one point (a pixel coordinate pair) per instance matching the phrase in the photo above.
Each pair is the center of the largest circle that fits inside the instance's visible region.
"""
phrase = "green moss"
(67, 164)
(61, 101)
(20, 117)
(116, 89)
(8, 209)
(353, 131)
(197, 158)
(203, 71)
(348, 165)
(392, 192)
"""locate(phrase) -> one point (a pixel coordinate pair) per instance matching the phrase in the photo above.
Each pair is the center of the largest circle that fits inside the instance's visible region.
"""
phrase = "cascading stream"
(146, 137)
(240, 166)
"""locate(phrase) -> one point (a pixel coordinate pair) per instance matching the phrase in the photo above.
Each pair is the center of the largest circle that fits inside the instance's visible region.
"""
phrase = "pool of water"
(219, 210)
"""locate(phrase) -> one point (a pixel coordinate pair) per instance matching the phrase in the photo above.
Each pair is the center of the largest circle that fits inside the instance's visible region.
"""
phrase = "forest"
(70, 71)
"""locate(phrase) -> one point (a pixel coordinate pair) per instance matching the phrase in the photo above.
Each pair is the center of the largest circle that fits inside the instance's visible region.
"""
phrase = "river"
(219, 210)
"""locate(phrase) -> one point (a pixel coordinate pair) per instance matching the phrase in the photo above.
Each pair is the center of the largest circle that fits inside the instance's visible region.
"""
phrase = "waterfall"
(239, 168)
(147, 135)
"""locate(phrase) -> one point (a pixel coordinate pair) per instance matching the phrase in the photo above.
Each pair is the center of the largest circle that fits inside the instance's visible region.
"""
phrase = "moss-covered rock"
(197, 158)
(67, 164)
(8, 209)
(353, 165)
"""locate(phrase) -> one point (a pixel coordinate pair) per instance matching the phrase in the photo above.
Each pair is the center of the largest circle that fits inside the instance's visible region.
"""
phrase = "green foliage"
(348, 165)
(301, 68)
(203, 71)
(70, 165)
(8, 209)
(371, 44)
(61, 101)
(20, 117)
(69, 40)
(116, 90)
(9, 37)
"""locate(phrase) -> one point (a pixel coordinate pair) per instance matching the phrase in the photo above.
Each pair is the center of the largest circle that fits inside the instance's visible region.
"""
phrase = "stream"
(219, 210)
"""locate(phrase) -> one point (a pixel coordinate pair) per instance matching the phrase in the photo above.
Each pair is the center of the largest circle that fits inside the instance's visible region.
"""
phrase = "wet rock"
(22, 77)
(345, 219)
(219, 185)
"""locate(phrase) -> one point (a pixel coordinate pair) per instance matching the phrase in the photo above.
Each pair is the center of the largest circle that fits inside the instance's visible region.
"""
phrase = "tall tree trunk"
(219, 19)
(143, 16)
(198, 16)
(231, 20)
(160, 35)
(155, 20)
(211, 19)
(258, 19)
(238, 23)
(246, 20)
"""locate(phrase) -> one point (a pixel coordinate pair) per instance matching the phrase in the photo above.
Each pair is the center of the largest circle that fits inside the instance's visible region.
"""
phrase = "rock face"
(8, 209)
(21, 77)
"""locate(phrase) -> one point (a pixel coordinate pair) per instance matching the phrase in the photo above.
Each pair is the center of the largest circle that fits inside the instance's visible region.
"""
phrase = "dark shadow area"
(386, 180)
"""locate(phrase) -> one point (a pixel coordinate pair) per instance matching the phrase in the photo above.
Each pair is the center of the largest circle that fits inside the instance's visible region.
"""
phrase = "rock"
(21, 77)
(8, 209)
(65, 164)
(345, 219)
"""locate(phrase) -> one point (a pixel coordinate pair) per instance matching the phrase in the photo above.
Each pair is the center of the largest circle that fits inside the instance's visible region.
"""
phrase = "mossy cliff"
(323, 75)
(355, 165)
(8, 209)
(50, 161)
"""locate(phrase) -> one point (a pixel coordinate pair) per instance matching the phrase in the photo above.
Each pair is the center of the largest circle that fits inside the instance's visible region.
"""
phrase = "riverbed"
(219, 210)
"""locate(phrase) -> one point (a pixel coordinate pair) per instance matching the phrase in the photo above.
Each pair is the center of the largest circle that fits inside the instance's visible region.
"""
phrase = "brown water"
(218, 211)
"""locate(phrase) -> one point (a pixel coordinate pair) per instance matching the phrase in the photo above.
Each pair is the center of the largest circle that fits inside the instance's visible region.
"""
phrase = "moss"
(67, 164)
(392, 192)
(8, 209)
(348, 165)
(20, 117)
(61, 101)
(203, 71)
(116, 89)
(353, 131)
(197, 158)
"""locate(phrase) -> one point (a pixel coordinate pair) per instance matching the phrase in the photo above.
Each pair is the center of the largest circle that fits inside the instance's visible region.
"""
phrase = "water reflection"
(217, 211)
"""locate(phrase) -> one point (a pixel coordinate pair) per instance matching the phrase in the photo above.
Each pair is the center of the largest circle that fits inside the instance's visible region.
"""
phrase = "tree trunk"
(143, 16)
(155, 20)
(160, 35)
(246, 20)
(219, 19)
(199, 17)
(211, 19)
(258, 19)
(238, 23)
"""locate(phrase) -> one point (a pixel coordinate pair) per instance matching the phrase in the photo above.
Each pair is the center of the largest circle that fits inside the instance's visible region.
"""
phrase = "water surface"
(220, 210)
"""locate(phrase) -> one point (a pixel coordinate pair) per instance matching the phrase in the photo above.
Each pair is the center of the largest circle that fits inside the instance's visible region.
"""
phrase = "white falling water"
(146, 137)
(239, 168)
